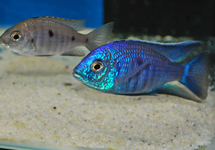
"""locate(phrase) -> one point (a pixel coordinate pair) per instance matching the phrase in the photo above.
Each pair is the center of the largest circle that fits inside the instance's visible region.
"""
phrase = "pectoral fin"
(123, 79)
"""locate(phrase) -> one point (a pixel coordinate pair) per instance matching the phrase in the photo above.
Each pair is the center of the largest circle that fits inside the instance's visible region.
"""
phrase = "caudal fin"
(99, 36)
(195, 75)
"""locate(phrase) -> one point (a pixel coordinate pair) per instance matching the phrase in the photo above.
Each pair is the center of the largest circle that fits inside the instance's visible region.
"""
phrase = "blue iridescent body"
(132, 67)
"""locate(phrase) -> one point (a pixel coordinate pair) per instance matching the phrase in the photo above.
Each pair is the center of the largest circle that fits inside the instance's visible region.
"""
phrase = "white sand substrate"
(41, 103)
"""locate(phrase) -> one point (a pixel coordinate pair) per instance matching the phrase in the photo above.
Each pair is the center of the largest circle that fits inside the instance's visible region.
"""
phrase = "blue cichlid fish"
(52, 35)
(130, 67)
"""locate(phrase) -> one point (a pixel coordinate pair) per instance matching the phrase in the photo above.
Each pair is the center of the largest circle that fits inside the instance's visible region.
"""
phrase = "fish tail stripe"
(35, 36)
(57, 37)
(143, 84)
(54, 45)
(135, 82)
(139, 82)
(148, 83)
(62, 41)
(49, 46)
(42, 41)
(66, 41)
(130, 83)
(196, 75)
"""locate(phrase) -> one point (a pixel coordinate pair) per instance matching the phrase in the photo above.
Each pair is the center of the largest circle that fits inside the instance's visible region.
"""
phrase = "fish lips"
(78, 75)
(2, 42)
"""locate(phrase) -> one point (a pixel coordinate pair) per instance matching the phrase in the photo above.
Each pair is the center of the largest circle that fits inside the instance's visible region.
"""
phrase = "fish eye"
(16, 36)
(97, 65)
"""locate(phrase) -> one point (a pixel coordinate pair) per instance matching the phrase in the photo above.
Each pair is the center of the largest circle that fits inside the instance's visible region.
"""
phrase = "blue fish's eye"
(96, 65)
(16, 36)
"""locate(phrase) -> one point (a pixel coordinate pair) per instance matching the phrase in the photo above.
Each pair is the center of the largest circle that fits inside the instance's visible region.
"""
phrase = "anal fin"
(177, 89)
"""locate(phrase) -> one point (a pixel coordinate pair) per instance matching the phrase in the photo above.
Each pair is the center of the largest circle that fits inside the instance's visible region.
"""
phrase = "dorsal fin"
(175, 52)
(75, 24)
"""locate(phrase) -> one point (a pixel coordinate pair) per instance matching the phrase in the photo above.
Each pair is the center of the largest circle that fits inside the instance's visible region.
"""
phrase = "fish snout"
(78, 75)
(2, 42)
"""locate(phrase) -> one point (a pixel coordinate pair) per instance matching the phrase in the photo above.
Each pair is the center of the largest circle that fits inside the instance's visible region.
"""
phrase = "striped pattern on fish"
(132, 67)
(52, 36)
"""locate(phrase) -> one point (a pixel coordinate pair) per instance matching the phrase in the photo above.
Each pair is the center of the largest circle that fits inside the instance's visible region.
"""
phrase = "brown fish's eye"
(16, 36)
(96, 66)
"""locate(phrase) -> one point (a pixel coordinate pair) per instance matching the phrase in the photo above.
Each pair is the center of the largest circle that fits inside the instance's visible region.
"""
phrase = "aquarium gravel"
(41, 103)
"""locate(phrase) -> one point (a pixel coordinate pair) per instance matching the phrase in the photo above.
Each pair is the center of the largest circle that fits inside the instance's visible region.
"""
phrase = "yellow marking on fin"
(56, 18)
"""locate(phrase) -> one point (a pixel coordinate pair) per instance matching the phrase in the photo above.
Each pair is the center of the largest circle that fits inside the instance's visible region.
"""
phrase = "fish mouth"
(2, 42)
(77, 75)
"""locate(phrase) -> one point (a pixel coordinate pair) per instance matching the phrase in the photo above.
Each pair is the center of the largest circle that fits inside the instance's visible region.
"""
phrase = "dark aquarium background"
(176, 18)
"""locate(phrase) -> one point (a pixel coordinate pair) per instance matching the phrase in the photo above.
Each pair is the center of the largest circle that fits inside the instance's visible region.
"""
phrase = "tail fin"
(196, 75)
(99, 36)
